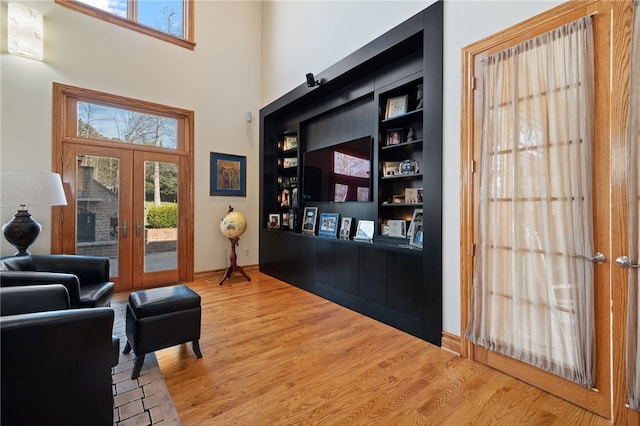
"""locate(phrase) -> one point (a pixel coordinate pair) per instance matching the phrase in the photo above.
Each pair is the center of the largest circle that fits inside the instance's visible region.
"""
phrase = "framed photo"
(391, 168)
(328, 225)
(309, 220)
(396, 106)
(365, 231)
(397, 228)
(228, 174)
(394, 136)
(345, 228)
(416, 219)
(285, 198)
(416, 236)
(289, 162)
(274, 221)
(285, 220)
(290, 142)
(413, 195)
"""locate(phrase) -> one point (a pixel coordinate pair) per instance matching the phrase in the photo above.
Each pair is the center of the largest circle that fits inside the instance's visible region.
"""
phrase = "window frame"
(187, 42)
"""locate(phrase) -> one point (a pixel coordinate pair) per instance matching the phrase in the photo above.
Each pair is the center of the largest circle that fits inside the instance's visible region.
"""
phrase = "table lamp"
(28, 188)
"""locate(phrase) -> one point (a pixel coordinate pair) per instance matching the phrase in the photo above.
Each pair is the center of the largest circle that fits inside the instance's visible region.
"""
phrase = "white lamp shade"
(31, 188)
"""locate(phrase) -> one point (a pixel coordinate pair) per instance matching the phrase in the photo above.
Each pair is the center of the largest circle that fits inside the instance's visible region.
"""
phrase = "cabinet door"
(346, 268)
(405, 283)
(325, 263)
(373, 275)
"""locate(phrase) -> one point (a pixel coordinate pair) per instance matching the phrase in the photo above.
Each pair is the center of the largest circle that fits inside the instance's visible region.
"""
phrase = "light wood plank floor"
(276, 355)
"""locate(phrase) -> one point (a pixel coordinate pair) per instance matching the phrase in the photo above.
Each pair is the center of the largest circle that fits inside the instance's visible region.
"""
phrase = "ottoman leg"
(127, 348)
(137, 366)
(196, 348)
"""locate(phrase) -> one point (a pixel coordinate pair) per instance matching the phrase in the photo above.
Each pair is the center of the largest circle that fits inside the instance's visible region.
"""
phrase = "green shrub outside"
(163, 216)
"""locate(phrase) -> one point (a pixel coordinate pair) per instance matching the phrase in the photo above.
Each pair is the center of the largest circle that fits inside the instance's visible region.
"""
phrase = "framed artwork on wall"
(228, 174)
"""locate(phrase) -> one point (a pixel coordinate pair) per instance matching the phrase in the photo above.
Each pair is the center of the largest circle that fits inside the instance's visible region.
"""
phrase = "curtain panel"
(532, 296)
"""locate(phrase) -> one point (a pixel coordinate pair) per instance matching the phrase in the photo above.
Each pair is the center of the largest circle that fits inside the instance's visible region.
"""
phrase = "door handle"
(596, 259)
(137, 229)
(624, 262)
(125, 229)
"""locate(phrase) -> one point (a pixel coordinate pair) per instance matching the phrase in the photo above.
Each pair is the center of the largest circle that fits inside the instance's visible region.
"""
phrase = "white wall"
(219, 81)
(301, 37)
(248, 54)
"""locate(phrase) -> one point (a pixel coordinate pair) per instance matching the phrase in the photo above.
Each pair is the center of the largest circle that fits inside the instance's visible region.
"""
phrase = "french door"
(107, 212)
(610, 21)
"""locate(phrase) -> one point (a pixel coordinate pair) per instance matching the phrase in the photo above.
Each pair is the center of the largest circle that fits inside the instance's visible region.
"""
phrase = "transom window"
(169, 20)
(121, 125)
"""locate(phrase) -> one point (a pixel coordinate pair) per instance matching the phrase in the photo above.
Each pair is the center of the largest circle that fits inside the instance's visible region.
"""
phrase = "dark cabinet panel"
(405, 283)
(372, 284)
(326, 262)
(346, 262)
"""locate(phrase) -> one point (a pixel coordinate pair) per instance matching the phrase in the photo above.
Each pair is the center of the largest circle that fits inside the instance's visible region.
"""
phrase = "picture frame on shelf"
(390, 168)
(285, 220)
(289, 162)
(394, 136)
(309, 220)
(364, 231)
(416, 218)
(285, 198)
(417, 236)
(294, 197)
(397, 228)
(396, 106)
(345, 228)
(413, 195)
(274, 221)
(290, 142)
(227, 174)
(328, 225)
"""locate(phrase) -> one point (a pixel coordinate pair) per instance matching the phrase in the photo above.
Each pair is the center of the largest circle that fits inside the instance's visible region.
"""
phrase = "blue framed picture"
(228, 175)
(328, 225)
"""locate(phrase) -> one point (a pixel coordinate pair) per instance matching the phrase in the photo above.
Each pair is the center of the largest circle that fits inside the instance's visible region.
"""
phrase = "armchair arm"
(33, 298)
(27, 278)
(88, 269)
(59, 361)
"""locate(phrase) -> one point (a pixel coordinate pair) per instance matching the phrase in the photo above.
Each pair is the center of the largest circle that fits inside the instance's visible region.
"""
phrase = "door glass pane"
(161, 216)
(97, 207)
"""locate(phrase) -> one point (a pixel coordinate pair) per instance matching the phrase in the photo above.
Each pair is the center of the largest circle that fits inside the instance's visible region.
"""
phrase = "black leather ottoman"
(159, 318)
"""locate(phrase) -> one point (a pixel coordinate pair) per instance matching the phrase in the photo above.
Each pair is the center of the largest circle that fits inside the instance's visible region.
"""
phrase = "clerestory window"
(168, 20)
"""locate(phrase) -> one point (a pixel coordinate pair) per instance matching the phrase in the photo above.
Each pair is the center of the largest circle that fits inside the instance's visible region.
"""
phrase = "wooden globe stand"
(233, 267)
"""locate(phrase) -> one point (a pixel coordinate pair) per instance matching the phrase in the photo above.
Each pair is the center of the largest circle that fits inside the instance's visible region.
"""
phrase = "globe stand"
(233, 267)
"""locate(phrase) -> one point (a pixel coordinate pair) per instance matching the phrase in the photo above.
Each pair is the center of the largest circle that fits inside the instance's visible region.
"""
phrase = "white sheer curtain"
(633, 351)
(532, 297)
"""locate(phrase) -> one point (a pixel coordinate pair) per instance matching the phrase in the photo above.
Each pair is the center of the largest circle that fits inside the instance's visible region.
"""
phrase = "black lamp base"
(21, 231)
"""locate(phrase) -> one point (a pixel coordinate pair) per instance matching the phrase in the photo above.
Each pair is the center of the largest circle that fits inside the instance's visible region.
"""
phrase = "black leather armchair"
(85, 277)
(56, 364)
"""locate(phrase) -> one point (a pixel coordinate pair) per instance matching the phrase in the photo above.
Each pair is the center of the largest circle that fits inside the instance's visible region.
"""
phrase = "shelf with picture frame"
(288, 177)
(383, 277)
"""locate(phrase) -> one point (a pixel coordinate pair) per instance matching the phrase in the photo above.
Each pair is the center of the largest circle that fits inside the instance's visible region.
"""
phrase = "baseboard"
(451, 342)
(216, 274)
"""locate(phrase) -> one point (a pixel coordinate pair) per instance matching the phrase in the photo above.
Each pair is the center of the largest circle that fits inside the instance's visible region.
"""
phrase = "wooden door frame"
(610, 14)
(62, 115)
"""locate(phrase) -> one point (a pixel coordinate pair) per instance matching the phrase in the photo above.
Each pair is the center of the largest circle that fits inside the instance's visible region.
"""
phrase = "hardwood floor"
(276, 355)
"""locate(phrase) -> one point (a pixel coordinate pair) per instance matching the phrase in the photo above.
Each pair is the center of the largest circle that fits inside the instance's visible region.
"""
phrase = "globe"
(233, 224)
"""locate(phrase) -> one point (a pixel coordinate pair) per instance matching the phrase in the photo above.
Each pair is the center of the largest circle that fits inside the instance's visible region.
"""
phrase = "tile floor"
(142, 401)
